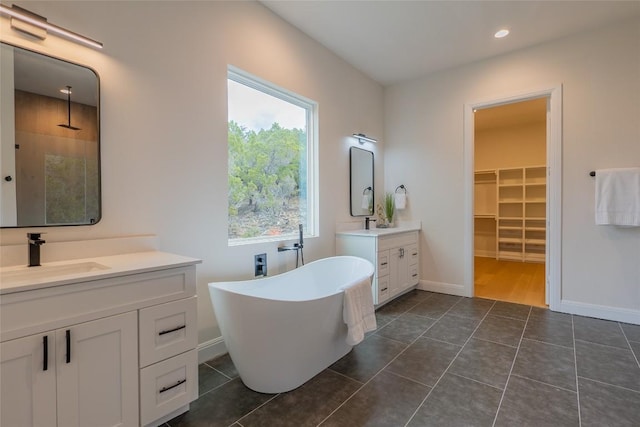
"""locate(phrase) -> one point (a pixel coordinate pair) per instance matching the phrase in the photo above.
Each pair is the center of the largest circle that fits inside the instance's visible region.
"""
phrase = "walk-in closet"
(510, 202)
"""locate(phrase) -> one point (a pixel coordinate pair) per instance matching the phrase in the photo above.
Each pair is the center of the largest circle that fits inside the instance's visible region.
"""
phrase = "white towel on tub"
(618, 196)
(358, 312)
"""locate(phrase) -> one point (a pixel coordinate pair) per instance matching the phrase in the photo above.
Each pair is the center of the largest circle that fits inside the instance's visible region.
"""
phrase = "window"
(272, 161)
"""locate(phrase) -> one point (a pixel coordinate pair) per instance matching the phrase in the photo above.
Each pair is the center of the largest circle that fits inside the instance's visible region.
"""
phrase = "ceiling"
(392, 41)
(515, 114)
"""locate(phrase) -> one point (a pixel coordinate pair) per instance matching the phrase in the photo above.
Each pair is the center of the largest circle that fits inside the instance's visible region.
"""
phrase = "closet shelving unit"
(485, 212)
(521, 221)
(519, 213)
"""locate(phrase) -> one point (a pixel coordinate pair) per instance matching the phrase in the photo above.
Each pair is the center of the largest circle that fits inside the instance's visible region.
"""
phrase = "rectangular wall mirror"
(50, 141)
(361, 180)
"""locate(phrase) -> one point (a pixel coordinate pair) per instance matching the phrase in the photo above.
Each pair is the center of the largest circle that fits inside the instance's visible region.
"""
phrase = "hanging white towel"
(365, 201)
(618, 196)
(401, 200)
(358, 312)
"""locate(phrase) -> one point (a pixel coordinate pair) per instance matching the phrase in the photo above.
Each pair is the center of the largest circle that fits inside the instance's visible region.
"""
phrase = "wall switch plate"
(260, 264)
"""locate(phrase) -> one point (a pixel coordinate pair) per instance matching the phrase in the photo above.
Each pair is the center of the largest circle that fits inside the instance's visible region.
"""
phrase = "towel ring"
(366, 189)
(401, 187)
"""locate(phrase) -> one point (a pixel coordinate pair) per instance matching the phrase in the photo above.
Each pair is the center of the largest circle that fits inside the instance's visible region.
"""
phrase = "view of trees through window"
(268, 169)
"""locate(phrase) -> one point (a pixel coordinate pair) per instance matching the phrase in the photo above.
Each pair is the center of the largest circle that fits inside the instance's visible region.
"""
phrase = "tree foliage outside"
(267, 181)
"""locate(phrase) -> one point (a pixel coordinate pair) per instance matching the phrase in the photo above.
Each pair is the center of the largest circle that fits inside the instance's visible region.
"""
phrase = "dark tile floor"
(442, 360)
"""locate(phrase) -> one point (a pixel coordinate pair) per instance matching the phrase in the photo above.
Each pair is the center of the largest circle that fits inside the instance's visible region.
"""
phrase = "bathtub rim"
(340, 289)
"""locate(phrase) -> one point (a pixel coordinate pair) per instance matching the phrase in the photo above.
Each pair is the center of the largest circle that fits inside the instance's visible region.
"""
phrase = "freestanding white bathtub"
(281, 331)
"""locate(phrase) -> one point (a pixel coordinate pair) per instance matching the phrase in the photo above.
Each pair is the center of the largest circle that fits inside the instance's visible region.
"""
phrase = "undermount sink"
(25, 274)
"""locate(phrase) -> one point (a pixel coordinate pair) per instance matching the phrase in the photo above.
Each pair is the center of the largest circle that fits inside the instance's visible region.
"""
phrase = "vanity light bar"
(24, 15)
(362, 138)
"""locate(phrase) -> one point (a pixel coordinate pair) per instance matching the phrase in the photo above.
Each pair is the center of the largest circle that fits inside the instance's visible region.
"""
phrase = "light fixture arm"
(362, 138)
(38, 21)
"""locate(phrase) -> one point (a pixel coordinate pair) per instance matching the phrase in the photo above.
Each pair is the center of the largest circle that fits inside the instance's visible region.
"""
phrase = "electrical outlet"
(260, 264)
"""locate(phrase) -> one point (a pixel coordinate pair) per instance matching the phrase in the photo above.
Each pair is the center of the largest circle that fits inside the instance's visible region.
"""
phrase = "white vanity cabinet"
(393, 252)
(90, 374)
(117, 349)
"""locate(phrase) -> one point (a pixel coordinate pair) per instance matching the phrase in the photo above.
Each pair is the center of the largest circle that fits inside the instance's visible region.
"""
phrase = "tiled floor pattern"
(442, 360)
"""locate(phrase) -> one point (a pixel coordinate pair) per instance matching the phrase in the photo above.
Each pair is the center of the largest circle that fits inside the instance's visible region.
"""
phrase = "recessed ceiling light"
(501, 33)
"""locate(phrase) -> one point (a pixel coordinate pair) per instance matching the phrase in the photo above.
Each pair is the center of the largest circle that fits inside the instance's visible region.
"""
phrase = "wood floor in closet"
(518, 282)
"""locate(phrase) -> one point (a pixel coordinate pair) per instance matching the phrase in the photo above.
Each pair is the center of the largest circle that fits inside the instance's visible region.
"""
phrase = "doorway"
(510, 202)
(524, 221)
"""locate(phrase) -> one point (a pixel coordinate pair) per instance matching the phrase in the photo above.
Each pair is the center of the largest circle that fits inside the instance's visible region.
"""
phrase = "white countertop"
(375, 232)
(23, 278)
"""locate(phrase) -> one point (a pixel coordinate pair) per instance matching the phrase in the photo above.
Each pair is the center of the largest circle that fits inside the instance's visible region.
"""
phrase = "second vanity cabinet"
(394, 253)
(115, 351)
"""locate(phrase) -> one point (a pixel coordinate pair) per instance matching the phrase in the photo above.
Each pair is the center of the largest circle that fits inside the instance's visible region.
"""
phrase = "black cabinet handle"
(384, 263)
(168, 331)
(414, 275)
(382, 290)
(45, 347)
(163, 389)
(68, 337)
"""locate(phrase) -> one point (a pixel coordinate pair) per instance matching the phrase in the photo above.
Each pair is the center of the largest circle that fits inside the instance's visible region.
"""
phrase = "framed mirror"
(361, 181)
(50, 141)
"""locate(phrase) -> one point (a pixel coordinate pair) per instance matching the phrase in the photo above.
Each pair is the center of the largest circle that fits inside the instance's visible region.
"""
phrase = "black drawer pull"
(68, 337)
(163, 389)
(414, 275)
(45, 347)
(414, 254)
(168, 331)
(384, 289)
(384, 263)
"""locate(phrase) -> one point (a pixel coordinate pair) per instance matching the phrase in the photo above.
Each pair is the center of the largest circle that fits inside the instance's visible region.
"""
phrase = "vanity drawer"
(412, 250)
(167, 329)
(413, 275)
(383, 289)
(383, 263)
(167, 386)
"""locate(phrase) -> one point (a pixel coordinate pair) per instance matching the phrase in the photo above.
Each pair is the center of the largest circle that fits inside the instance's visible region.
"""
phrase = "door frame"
(553, 253)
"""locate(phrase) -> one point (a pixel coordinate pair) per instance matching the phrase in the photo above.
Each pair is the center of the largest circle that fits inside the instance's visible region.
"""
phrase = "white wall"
(164, 123)
(510, 146)
(600, 74)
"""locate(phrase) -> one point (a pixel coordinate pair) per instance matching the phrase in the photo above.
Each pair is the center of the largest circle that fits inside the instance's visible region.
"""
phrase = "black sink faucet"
(367, 220)
(34, 248)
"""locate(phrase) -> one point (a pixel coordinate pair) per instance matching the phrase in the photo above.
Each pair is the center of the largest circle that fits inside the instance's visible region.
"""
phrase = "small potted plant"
(389, 207)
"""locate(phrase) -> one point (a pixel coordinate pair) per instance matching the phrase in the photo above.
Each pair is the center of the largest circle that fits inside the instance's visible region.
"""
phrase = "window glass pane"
(268, 137)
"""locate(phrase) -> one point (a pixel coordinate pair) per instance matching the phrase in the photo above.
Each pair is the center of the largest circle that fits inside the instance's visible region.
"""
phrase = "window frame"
(311, 107)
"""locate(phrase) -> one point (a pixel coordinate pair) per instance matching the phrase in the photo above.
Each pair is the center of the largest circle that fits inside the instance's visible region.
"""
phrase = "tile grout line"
(475, 381)
(544, 383)
(513, 363)
(629, 344)
(452, 360)
(220, 372)
(610, 385)
(254, 409)
(566, 347)
(604, 345)
(380, 370)
(575, 367)
(343, 375)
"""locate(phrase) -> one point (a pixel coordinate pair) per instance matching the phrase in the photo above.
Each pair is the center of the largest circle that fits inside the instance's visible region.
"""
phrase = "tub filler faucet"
(34, 248)
(296, 247)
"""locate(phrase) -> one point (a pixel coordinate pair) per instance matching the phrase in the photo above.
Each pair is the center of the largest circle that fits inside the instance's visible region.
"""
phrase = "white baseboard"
(211, 349)
(624, 315)
(443, 288)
